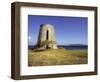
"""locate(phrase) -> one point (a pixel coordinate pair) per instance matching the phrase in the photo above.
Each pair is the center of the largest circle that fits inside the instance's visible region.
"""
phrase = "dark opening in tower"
(47, 39)
(47, 35)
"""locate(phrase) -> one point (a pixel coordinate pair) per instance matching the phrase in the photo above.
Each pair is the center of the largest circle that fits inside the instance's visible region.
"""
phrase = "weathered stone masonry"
(46, 38)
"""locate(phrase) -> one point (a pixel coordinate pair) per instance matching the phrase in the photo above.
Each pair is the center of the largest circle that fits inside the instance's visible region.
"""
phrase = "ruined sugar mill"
(46, 37)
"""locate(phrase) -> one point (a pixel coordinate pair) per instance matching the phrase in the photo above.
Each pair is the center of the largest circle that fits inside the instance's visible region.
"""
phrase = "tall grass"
(56, 57)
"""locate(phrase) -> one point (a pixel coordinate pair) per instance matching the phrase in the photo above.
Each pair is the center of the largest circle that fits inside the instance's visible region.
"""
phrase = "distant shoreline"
(70, 47)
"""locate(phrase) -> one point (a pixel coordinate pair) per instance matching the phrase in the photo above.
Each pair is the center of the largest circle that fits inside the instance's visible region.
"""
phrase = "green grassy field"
(56, 57)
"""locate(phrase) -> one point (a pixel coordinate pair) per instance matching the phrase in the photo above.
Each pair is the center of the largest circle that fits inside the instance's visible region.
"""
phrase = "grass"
(56, 57)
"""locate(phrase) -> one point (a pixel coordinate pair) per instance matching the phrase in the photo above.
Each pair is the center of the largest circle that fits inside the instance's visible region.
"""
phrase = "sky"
(68, 30)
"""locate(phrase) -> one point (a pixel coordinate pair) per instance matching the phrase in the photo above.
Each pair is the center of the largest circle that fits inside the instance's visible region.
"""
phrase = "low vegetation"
(59, 56)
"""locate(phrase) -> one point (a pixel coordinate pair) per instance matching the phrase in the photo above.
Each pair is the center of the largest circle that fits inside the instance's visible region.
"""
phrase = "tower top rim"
(47, 25)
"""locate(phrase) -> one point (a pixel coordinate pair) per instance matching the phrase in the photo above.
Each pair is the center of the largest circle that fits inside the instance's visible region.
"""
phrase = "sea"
(70, 47)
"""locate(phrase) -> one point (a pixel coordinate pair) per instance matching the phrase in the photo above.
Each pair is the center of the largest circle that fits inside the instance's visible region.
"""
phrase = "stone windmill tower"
(46, 38)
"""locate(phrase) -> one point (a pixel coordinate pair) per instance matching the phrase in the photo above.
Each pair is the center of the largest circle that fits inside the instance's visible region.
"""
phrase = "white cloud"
(29, 38)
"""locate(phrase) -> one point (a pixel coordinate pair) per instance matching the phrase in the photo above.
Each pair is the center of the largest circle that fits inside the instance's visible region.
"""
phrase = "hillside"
(56, 57)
